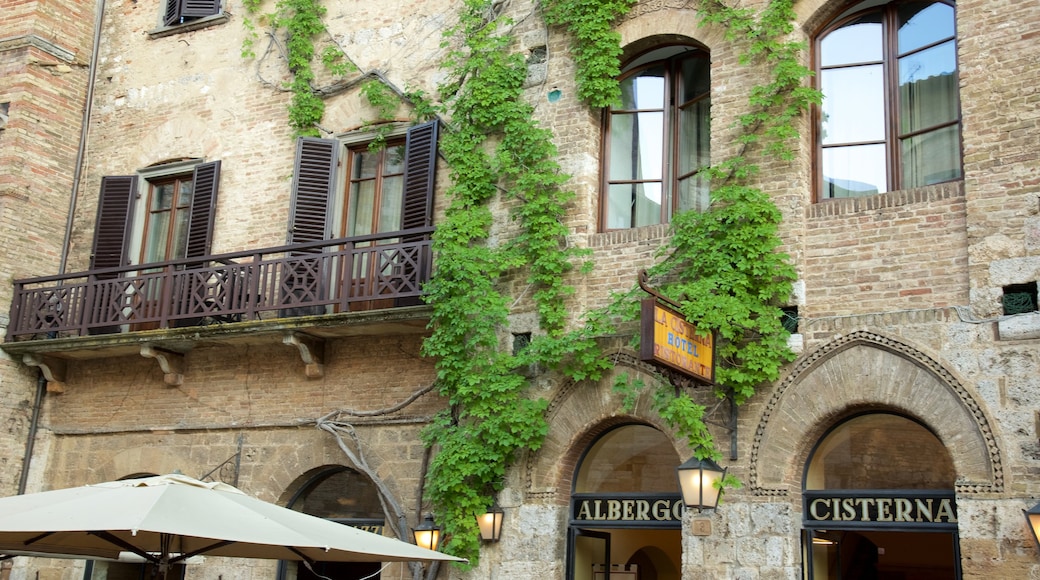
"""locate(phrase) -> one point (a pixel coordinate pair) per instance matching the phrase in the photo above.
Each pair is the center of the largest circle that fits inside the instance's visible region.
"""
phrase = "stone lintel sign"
(628, 510)
(912, 508)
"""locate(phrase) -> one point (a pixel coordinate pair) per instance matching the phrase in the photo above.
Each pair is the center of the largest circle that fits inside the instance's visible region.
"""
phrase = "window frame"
(180, 204)
(202, 14)
(671, 56)
(890, 58)
(359, 144)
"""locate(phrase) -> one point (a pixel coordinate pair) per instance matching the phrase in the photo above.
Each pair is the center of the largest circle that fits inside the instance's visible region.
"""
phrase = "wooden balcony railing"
(356, 273)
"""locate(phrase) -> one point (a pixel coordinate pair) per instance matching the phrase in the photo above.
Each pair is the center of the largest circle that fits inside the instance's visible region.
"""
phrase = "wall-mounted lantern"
(697, 481)
(490, 523)
(427, 534)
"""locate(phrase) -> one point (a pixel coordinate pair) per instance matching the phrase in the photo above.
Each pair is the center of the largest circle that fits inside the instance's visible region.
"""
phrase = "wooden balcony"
(283, 288)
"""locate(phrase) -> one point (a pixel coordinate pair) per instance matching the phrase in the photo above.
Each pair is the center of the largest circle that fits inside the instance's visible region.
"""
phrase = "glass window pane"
(877, 451)
(394, 160)
(391, 199)
(633, 204)
(365, 165)
(362, 206)
(853, 105)
(634, 458)
(342, 495)
(932, 157)
(693, 193)
(155, 240)
(857, 41)
(694, 137)
(648, 205)
(184, 194)
(162, 196)
(854, 171)
(180, 236)
(636, 143)
(928, 88)
(695, 78)
(644, 90)
(921, 24)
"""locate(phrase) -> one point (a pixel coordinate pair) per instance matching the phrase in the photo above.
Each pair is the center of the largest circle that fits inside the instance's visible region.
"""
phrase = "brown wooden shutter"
(114, 218)
(203, 204)
(314, 177)
(199, 8)
(420, 174)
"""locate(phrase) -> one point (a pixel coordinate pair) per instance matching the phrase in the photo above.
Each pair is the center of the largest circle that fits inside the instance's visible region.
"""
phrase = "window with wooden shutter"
(314, 177)
(420, 175)
(384, 191)
(203, 203)
(181, 11)
(112, 229)
(179, 216)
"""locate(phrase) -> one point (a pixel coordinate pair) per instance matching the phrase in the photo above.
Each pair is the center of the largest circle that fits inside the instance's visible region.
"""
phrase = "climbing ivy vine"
(723, 266)
(494, 150)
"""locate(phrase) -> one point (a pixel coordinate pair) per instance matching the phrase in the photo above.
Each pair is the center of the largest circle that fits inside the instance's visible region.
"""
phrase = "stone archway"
(867, 371)
(579, 413)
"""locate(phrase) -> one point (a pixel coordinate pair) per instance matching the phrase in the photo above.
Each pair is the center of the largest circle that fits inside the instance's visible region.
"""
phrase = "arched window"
(657, 139)
(879, 502)
(890, 117)
(345, 496)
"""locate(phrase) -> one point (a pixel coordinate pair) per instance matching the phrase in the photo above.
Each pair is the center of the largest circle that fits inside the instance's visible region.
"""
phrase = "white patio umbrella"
(168, 519)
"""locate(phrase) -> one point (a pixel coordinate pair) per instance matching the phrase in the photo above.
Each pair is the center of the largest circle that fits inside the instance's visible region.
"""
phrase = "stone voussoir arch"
(578, 413)
(865, 371)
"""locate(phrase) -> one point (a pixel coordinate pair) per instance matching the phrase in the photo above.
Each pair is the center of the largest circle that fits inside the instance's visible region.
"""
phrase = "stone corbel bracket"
(312, 351)
(171, 363)
(53, 370)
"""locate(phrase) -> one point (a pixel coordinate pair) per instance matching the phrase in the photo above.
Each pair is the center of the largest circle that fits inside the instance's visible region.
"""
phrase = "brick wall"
(44, 51)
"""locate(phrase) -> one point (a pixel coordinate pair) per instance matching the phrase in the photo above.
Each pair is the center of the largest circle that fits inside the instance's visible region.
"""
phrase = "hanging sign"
(666, 338)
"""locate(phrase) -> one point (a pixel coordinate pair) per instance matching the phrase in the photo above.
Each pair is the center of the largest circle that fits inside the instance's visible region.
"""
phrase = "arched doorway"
(879, 503)
(345, 496)
(626, 512)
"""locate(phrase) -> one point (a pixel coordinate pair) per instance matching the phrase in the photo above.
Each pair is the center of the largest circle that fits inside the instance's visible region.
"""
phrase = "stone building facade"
(913, 372)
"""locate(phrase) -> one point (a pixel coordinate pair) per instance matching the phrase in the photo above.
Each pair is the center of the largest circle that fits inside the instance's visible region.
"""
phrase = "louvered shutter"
(114, 218)
(203, 204)
(199, 8)
(314, 178)
(172, 14)
(420, 174)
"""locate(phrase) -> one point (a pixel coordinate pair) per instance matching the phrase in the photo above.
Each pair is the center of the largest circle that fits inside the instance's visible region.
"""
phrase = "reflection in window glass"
(931, 157)
(928, 88)
(644, 91)
(921, 24)
(853, 105)
(632, 458)
(880, 451)
(854, 171)
(658, 140)
(890, 115)
(636, 142)
(857, 42)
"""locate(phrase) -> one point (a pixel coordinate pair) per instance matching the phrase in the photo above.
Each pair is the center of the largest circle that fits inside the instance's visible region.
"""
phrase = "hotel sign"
(628, 511)
(666, 338)
(875, 508)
